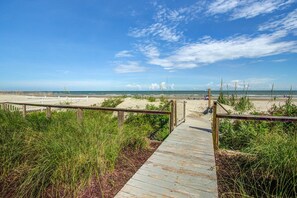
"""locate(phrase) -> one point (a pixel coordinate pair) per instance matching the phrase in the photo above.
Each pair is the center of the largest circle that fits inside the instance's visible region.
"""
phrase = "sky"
(74, 45)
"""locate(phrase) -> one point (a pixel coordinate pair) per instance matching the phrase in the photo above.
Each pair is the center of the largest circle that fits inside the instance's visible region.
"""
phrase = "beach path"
(183, 165)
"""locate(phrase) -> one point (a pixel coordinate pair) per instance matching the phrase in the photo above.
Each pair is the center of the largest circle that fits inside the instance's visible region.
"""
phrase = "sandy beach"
(194, 108)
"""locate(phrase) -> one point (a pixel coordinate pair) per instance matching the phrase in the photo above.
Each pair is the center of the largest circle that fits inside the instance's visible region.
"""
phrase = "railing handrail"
(217, 116)
(93, 108)
(258, 117)
(223, 107)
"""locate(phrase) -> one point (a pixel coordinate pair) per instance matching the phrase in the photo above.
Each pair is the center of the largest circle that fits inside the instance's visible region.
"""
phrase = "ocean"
(199, 93)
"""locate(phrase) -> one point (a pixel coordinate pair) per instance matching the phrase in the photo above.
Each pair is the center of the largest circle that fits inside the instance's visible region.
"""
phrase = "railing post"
(175, 113)
(171, 122)
(184, 113)
(5, 107)
(79, 115)
(48, 112)
(215, 126)
(209, 98)
(217, 132)
(24, 111)
(121, 117)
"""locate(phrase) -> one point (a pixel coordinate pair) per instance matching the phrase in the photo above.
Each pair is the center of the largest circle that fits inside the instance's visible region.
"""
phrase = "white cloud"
(246, 8)
(149, 51)
(166, 22)
(256, 8)
(288, 23)
(279, 60)
(154, 86)
(182, 14)
(130, 67)
(210, 50)
(134, 86)
(222, 6)
(161, 86)
(158, 30)
(124, 53)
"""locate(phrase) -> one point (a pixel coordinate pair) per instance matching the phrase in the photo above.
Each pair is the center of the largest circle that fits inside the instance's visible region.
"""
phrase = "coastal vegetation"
(112, 102)
(58, 156)
(259, 157)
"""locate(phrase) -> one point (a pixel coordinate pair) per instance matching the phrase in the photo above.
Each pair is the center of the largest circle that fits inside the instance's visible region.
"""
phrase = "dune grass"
(59, 156)
(270, 168)
(112, 102)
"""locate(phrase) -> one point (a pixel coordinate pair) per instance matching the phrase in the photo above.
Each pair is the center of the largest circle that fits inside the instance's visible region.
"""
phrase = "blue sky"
(147, 45)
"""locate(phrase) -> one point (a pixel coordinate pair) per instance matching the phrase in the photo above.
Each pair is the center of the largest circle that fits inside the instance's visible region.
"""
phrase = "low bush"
(151, 99)
(112, 102)
(58, 156)
(272, 172)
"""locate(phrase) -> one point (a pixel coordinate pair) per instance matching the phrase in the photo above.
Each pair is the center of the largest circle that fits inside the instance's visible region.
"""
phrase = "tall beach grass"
(270, 150)
(58, 156)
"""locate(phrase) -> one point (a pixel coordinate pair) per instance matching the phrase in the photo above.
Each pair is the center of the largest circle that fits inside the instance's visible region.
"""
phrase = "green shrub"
(244, 104)
(112, 102)
(156, 125)
(272, 172)
(60, 156)
(223, 99)
(137, 97)
(163, 99)
(151, 99)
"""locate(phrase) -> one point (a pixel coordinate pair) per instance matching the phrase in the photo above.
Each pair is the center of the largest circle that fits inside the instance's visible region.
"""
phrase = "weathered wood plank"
(157, 112)
(139, 192)
(182, 166)
(121, 117)
(186, 180)
(258, 117)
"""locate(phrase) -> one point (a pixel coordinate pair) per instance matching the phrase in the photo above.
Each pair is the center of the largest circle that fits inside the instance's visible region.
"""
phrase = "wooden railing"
(121, 111)
(179, 120)
(217, 116)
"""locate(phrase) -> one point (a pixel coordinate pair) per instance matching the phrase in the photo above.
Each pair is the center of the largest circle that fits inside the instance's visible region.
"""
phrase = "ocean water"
(201, 93)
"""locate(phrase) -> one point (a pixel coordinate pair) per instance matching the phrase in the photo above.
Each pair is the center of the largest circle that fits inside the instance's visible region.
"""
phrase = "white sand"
(194, 108)
(132, 103)
(83, 101)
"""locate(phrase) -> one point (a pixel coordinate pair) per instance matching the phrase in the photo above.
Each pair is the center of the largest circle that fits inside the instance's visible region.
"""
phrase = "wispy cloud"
(163, 32)
(255, 8)
(166, 22)
(279, 60)
(123, 54)
(246, 8)
(288, 23)
(222, 6)
(130, 67)
(210, 50)
(149, 50)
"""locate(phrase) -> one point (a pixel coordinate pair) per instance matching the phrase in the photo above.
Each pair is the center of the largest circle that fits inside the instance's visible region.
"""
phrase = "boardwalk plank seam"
(182, 166)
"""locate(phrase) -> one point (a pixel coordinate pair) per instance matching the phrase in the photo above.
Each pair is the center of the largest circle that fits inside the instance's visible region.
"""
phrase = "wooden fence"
(217, 116)
(11, 106)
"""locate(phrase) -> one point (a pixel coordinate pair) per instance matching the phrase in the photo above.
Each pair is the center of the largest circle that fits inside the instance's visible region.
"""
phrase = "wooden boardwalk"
(183, 166)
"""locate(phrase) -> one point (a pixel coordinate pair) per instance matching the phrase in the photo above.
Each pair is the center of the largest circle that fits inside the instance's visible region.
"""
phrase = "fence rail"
(258, 117)
(121, 112)
(217, 116)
